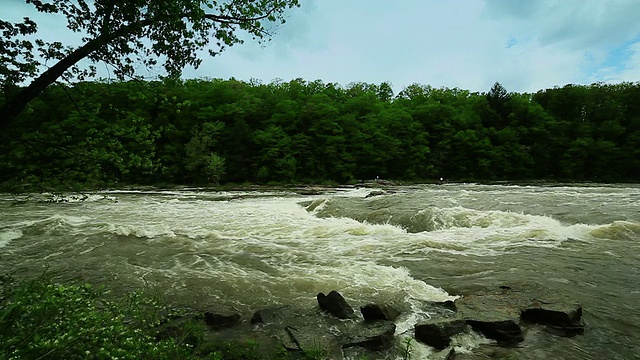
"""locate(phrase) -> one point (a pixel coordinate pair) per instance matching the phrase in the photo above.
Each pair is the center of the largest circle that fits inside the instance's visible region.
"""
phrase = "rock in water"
(496, 316)
(372, 336)
(438, 333)
(506, 332)
(374, 312)
(564, 318)
(335, 304)
(375, 193)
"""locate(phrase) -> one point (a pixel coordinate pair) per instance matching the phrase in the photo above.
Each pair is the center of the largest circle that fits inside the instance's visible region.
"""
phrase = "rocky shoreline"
(503, 315)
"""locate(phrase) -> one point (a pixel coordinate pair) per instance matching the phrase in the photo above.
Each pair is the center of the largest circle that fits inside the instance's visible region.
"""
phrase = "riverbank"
(40, 318)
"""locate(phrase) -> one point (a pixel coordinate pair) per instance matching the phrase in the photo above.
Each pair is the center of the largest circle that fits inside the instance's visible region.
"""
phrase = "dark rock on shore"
(269, 315)
(564, 319)
(438, 333)
(335, 304)
(448, 305)
(372, 336)
(496, 316)
(501, 313)
(506, 332)
(219, 321)
(374, 312)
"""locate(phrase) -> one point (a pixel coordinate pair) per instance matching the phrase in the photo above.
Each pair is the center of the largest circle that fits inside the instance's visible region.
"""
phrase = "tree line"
(102, 133)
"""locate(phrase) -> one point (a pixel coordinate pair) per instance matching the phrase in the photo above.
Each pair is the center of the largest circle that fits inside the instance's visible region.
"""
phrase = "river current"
(243, 251)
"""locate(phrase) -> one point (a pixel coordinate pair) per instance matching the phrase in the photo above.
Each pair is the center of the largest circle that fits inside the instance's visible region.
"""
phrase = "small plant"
(407, 348)
(318, 350)
(246, 350)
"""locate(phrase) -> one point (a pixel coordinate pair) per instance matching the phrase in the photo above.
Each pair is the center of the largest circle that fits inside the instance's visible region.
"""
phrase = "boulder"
(374, 312)
(269, 315)
(448, 305)
(371, 336)
(497, 313)
(375, 193)
(496, 316)
(564, 319)
(219, 322)
(505, 332)
(335, 304)
(438, 333)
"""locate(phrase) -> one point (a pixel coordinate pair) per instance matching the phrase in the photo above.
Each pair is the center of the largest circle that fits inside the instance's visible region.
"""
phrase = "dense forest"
(97, 134)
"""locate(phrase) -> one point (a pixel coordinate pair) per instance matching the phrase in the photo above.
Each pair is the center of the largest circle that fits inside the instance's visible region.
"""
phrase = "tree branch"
(238, 20)
(15, 105)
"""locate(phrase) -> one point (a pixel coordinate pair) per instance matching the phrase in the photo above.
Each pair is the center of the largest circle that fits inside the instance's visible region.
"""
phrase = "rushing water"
(242, 251)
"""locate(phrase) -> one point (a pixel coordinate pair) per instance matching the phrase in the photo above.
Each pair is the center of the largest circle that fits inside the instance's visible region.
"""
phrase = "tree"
(498, 98)
(214, 168)
(123, 33)
(200, 155)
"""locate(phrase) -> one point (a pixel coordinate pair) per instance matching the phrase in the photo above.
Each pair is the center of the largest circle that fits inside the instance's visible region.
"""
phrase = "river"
(245, 250)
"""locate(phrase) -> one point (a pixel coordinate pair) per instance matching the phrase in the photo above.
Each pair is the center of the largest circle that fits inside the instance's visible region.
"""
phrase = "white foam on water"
(56, 219)
(464, 343)
(467, 231)
(141, 231)
(6, 236)
(357, 192)
(57, 253)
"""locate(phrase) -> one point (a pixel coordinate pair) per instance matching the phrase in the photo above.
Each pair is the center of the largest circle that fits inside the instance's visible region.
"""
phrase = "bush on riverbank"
(42, 319)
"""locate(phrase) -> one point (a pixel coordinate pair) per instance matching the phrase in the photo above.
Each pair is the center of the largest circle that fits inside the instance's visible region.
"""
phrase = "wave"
(6, 236)
(54, 225)
(141, 231)
(420, 220)
(618, 230)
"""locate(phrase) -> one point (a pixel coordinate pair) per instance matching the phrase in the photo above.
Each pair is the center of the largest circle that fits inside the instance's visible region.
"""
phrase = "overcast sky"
(527, 45)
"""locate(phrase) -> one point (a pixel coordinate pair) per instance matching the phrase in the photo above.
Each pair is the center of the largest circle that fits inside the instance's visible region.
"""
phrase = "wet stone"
(564, 319)
(335, 304)
(438, 333)
(218, 321)
(506, 332)
(269, 315)
(372, 336)
(374, 312)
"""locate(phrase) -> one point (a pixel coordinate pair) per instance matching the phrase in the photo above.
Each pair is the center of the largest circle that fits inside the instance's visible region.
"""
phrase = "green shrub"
(41, 319)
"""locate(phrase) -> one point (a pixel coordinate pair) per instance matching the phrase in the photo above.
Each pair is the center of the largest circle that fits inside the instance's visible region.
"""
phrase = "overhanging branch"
(14, 105)
(239, 20)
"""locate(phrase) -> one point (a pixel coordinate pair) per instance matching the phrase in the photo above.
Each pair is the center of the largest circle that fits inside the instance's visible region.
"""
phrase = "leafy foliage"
(41, 319)
(125, 34)
(210, 131)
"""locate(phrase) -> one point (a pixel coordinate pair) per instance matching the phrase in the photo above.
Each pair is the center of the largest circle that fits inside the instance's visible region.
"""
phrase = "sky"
(526, 45)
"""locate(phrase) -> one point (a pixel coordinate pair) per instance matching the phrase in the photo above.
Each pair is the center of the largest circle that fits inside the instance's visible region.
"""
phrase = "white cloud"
(631, 71)
(527, 45)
